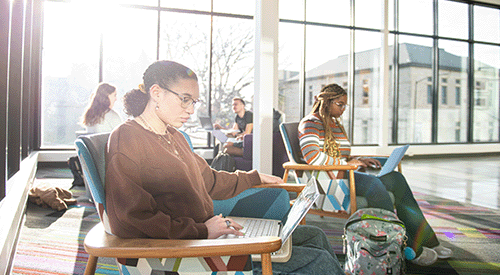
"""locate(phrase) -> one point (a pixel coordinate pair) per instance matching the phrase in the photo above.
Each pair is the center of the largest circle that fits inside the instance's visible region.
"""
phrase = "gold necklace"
(160, 136)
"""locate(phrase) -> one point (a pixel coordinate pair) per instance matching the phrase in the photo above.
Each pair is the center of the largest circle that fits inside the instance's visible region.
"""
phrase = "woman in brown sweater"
(157, 187)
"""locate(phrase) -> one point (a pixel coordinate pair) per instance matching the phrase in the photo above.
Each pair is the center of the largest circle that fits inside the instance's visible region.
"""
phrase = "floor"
(470, 179)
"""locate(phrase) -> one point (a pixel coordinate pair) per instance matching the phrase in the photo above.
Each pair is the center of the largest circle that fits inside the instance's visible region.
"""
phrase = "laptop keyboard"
(254, 228)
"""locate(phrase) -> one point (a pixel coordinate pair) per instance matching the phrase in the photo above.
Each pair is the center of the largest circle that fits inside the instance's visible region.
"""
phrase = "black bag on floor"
(76, 170)
(223, 161)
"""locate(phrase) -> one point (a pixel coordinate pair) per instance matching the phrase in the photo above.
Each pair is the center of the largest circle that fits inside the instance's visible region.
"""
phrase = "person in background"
(243, 125)
(157, 187)
(99, 115)
(323, 141)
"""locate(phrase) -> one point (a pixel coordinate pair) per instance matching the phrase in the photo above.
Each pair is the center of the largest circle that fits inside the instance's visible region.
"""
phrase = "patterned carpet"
(52, 242)
(473, 233)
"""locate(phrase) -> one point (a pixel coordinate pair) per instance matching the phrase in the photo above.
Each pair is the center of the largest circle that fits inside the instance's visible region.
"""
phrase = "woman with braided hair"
(323, 141)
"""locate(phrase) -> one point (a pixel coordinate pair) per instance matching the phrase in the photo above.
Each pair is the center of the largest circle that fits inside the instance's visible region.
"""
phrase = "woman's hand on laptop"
(369, 162)
(219, 225)
(270, 179)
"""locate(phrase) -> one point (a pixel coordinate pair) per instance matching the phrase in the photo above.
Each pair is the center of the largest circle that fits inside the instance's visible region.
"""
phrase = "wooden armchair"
(297, 165)
(169, 254)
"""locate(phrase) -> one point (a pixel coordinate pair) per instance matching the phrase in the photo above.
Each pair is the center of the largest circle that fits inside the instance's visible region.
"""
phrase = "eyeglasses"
(186, 101)
(341, 106)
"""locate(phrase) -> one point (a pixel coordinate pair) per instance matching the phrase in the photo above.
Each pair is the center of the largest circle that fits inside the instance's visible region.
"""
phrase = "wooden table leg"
(267, 267)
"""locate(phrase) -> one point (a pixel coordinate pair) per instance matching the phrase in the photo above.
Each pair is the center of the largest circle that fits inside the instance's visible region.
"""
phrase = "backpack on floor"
(224, 161)
(375, 240)
(76, 170)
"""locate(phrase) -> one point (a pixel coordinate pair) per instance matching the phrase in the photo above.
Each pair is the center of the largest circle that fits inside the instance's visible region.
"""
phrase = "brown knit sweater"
(153, 192)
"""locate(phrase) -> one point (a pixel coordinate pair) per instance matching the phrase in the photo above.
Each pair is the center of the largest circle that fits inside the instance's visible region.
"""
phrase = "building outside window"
(314, 50)
(444, 95)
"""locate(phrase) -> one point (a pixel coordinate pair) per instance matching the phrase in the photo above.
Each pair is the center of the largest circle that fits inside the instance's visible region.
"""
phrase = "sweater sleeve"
(132, 210)
(223, 185)
(311, 135)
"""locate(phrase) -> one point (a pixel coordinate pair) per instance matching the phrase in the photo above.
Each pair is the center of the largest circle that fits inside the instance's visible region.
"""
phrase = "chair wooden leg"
(267, 267)
(285, 175)
(91, 265)
(352, 185)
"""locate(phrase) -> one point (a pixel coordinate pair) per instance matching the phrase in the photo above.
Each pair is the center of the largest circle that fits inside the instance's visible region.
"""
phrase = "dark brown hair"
(98, 105)
(240, 99)
(162, 72)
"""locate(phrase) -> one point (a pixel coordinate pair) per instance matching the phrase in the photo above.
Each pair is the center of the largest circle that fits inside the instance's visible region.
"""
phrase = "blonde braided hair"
(324, 99)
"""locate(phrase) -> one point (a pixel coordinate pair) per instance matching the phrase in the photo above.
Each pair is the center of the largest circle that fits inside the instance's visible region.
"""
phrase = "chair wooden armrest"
(296, 166)
(290, 187)
(306, 167)
(98, 243)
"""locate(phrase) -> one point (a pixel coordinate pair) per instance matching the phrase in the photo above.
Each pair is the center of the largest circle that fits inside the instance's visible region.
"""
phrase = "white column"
(384, 66)
(265, 83)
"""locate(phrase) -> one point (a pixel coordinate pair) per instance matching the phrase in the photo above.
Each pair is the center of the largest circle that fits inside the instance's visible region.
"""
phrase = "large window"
(415, 98)
(320, 42)
(70, 70)
(129, 46)
(486, 92)
(430, 91)
(453, 74)
(121, 40)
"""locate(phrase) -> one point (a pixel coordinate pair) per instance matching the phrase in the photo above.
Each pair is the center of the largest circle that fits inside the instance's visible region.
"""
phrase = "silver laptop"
(206, 123)
(253, 227)
(221, 136)
(391, 163)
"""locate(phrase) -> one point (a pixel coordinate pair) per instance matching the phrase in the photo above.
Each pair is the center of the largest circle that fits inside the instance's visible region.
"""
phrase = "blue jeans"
(375, 189)
(312, 253)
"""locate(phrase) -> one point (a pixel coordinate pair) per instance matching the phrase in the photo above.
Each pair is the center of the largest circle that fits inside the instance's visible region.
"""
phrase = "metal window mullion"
(302, 72)
(158, 32)
(27, 89)
(470, 76)
(395, 73)
(210, 58)
(351, 72)
(435, 70)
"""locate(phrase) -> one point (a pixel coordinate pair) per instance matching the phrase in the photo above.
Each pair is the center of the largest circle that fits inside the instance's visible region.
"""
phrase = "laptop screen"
(300, 208)
(206, 123)
(393, 160)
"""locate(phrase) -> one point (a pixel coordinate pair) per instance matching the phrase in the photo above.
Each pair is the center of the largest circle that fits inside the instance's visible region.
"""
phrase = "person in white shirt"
(99, 115)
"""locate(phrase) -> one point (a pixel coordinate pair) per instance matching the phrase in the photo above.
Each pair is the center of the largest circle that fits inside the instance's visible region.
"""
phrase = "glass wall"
(70, 70)
(486, 91)
(452, 94)
(129, 46)
(367, 91)
(122, 40)
(430, 45)
(444, 64)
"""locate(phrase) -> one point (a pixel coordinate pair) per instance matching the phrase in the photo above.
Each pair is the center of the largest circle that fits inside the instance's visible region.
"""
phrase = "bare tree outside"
(187, 40)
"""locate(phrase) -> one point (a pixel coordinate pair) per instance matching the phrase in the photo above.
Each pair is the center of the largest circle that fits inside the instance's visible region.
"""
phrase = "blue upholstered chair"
(279, 155)
(147, 255)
